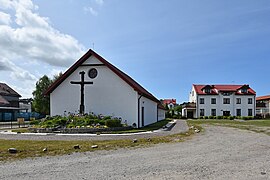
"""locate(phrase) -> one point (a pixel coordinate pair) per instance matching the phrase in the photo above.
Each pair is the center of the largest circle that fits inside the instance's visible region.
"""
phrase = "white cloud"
(29, 43)
(5, 18)
(91, 10)
(34, 38)
(17, 73)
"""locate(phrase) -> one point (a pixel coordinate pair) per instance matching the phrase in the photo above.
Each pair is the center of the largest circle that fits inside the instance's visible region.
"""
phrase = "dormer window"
(243, 90)
(207, 90)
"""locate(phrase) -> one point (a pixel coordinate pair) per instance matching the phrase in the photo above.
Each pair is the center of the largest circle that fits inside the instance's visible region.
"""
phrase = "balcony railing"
(261, 104)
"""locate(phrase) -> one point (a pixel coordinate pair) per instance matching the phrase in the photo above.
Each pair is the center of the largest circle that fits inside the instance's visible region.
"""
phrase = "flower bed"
(78, 124)
(77, 130)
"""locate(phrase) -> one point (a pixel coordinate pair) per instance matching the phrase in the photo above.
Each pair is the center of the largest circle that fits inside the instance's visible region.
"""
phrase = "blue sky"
(166, 46)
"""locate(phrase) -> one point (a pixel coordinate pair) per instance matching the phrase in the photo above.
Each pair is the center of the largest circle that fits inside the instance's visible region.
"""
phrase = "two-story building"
(263, 106)
(9, 103)
(220, 100)
(170, 103)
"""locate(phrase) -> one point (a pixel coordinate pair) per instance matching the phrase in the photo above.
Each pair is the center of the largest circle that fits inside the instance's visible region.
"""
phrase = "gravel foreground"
(217, 153)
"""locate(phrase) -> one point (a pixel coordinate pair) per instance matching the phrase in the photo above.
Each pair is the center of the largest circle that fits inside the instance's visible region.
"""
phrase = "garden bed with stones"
(77, 130)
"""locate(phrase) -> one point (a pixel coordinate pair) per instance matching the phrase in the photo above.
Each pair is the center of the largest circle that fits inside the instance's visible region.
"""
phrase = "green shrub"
(102, 122)
(91, 116)
(219, 117)
(113, 123)
(230, 117)
(106, 117)
(96, 121)
(34, 122)
(205, 117)
(211, 117)
(201, 117)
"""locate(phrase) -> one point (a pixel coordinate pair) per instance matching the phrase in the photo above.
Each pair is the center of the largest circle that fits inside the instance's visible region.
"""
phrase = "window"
(201, 100)
(244, 90)
(207, 90)
(201, 112)
(226, 100)
(213, 112)
(250, 112)
(238, 100)
(226, 94)
(249, 100)
(213, 101)
(238, 112)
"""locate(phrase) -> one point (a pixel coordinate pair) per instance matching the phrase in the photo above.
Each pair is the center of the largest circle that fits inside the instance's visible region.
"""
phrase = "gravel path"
(217, 153)
(179, 127)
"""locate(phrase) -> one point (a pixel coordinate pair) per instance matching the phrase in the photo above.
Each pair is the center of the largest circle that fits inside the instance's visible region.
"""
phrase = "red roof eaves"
(223, 88)
(259, 98)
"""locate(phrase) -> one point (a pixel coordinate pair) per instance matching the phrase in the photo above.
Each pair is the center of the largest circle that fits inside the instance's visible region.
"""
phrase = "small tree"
(41, 103)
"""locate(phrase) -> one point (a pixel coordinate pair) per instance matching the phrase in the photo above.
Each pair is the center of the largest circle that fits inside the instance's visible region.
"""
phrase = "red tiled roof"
(136, 86)
(259, 98)
(223, 88)
(5, 90)
(168, 101)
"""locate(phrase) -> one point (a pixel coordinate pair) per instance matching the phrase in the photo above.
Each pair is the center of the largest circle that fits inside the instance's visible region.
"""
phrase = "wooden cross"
(82, 83)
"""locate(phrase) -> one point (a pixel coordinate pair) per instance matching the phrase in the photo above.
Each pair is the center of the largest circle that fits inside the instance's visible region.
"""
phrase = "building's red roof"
(223, 88)
(169, 101)
(259, 98)
(136, 86)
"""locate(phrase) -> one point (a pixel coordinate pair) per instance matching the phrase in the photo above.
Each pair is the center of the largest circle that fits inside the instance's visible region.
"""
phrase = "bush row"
(227, 117)
(76, 121)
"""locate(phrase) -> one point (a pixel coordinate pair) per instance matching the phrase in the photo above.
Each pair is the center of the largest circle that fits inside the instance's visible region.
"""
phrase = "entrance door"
(226, 113)
(190, 114)
(142, 116)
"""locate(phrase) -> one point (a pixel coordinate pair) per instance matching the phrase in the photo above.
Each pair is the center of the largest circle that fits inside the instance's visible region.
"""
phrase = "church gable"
(92, 58)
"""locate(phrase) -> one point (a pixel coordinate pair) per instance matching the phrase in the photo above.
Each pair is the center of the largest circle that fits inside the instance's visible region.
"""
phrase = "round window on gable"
(92, 73)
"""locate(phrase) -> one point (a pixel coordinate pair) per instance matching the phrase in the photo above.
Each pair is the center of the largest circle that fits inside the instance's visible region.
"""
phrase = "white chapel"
(93, 85)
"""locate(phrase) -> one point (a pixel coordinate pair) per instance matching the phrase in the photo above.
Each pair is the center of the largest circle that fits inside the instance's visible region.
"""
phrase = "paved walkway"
(179, 127)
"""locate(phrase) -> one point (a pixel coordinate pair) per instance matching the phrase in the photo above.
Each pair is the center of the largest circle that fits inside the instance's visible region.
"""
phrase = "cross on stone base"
(82, 83)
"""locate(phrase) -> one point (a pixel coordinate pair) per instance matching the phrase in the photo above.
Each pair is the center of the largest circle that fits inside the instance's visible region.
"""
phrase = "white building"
(220, 100)
(263, 106)
(113, 93)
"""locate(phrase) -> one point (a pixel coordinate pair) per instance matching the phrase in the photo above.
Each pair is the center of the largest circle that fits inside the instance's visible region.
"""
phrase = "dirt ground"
(217, 153)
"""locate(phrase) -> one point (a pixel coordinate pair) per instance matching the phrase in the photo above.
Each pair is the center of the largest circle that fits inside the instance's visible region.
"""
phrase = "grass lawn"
(262, 126)
(150, 127)
(28, 148)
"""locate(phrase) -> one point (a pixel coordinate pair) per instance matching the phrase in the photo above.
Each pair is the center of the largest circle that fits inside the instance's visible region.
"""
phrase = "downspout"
(197, 107)
(254, 101)
(157, 112)
(139, 111)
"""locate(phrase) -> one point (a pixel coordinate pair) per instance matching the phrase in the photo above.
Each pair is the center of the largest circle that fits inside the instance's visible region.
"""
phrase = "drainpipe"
(139, 110)
(157, 112)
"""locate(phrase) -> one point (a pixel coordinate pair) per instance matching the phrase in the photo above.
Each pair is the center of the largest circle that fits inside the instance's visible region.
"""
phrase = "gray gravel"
(179, 127)
(217, 153)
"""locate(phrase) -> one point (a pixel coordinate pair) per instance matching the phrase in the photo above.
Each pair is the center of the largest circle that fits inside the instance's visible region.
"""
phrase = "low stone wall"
(77, 130)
